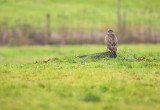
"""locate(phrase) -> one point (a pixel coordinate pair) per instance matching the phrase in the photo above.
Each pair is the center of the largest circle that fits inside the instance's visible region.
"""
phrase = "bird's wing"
(109, 42)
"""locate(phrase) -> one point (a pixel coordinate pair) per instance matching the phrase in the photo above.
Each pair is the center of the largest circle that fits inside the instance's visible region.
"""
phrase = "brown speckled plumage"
(111, 42)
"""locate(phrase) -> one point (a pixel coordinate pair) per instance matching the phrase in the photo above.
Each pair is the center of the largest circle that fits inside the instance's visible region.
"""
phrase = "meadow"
(129, 82)
(77, 15)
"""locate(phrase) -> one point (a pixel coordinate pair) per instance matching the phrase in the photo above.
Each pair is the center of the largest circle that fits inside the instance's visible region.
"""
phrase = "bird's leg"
(114, 54)
(111, 53)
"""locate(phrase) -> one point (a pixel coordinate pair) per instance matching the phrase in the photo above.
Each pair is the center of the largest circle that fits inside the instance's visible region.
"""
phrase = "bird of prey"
(111, 42)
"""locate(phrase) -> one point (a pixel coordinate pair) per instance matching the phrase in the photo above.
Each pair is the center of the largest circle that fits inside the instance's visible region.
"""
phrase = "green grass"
(129, 82)
(77, 14)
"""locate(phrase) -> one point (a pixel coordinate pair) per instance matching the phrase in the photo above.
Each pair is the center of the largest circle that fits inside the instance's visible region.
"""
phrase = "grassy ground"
(79, 14)
(129, 82)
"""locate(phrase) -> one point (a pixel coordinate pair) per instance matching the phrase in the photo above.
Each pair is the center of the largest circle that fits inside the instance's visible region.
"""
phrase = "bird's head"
(110, 31)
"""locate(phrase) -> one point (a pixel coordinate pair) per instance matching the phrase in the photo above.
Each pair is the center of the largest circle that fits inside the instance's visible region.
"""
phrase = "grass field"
(129, 82)
(77, 14)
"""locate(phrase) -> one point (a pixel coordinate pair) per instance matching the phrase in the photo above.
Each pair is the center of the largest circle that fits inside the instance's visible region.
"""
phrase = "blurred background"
(43, 22)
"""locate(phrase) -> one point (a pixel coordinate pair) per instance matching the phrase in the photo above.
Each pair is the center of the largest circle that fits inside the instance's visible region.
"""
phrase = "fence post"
(149, 27)
(124, 24)
(48, 28)
(119, 16)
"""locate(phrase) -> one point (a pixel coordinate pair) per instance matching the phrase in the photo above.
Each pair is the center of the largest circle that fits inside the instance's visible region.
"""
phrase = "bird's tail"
(114, 54)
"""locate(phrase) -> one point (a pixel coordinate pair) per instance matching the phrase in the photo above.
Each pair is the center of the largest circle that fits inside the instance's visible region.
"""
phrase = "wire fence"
(129, 29)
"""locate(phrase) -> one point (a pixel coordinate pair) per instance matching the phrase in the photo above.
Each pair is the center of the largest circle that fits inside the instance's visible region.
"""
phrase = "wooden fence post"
(48, 28)
(124, 24)
(119, 16)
